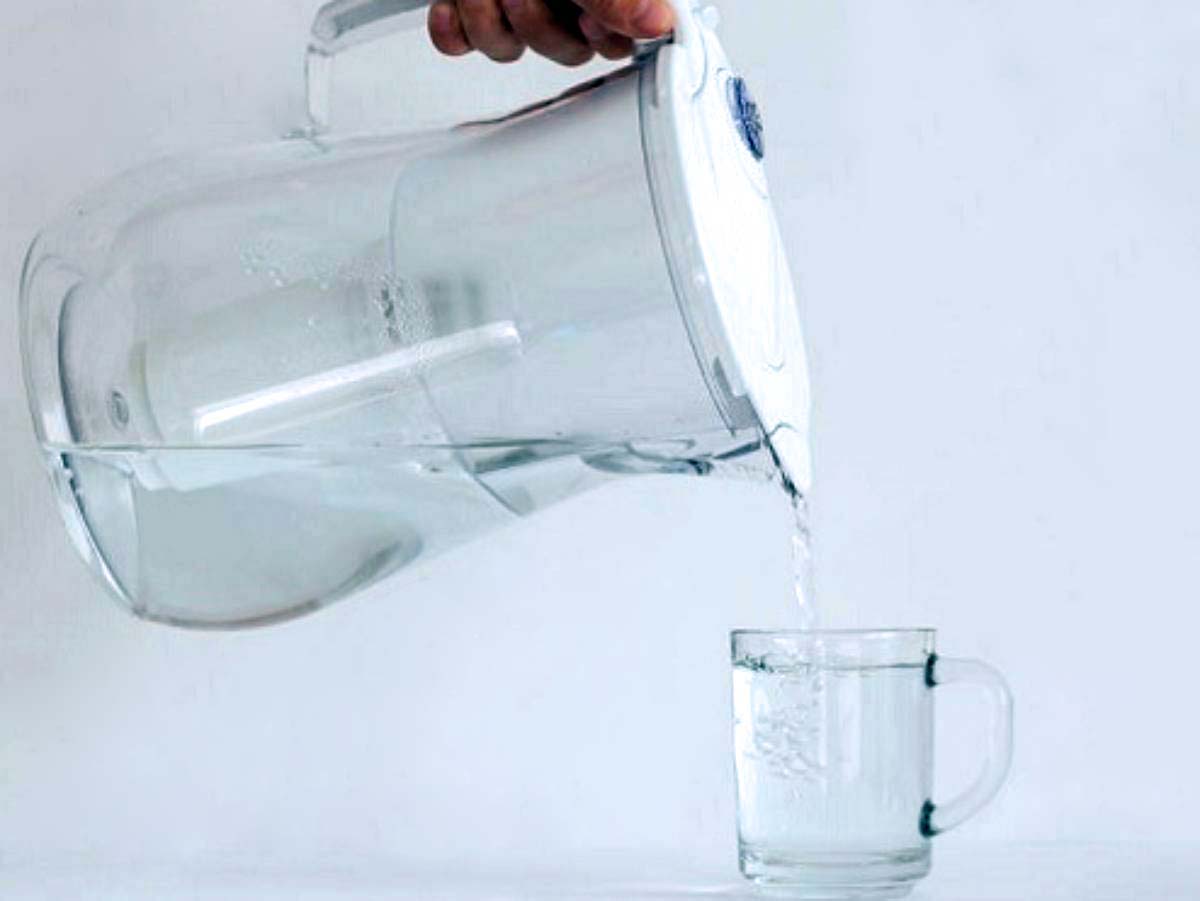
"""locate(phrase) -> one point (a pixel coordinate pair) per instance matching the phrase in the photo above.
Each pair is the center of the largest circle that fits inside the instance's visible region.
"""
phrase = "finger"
(535, 23)
(607, 43)
(632, 18)
(445, 29)
(488, 30)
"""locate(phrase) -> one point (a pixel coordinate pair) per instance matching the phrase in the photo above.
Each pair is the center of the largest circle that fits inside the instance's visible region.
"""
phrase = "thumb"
(633, 18)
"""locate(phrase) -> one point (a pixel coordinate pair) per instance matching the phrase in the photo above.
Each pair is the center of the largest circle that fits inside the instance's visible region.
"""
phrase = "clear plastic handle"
(938, 818)
(339, 26)
(345, 23)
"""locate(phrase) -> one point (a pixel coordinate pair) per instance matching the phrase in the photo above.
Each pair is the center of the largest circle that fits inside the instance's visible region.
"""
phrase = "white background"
(993, 210)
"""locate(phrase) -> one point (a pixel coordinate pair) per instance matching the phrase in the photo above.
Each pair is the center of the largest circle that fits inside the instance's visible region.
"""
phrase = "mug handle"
(938, 818)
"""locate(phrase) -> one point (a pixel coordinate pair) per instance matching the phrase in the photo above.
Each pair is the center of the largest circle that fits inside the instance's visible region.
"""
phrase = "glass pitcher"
(267, 378)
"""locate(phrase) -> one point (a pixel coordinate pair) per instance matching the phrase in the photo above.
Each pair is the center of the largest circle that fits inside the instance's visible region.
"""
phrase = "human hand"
(570, 32)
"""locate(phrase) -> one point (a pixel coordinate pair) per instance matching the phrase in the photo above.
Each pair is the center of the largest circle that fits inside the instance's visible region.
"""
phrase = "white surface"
(1052, 872)
(994, 213)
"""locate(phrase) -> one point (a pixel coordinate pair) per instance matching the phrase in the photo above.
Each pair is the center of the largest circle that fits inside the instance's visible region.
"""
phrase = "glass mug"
(833, 736)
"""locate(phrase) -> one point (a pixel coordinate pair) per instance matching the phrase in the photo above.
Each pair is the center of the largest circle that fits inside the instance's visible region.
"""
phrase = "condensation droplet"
(118, 409)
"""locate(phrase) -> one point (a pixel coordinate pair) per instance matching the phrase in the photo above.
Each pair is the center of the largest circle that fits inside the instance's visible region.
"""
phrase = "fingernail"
(655, 19)
(592, 29)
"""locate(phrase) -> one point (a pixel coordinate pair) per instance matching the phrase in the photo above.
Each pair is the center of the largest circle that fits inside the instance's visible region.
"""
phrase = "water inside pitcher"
(268, 378)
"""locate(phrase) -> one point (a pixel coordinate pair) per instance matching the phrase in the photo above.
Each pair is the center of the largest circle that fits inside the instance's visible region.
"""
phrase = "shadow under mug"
(833, 739)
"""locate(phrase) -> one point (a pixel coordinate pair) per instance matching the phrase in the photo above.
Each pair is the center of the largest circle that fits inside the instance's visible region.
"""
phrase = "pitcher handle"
(343, 24)
(338, 26)
(346, 23)
(937, 818)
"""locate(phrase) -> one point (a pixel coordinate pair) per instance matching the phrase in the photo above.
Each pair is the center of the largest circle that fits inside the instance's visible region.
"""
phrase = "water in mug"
(829, 761)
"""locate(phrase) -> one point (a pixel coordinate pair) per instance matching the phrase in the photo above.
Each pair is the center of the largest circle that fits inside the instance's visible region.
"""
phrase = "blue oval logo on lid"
(747, 118)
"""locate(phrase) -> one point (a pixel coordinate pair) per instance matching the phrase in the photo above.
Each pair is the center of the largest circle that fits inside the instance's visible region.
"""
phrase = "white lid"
(704, 149)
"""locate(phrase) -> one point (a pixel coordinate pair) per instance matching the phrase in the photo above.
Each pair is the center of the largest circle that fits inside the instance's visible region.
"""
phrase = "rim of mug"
(853, 648)
(834, 633)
